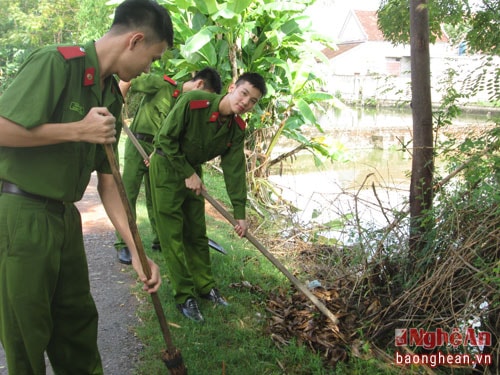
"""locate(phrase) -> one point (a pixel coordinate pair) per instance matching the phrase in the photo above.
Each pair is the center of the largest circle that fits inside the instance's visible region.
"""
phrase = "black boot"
(124, 256)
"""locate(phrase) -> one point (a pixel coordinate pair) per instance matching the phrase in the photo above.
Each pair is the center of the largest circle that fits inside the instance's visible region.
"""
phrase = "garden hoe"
(171, 356)
(321, 307)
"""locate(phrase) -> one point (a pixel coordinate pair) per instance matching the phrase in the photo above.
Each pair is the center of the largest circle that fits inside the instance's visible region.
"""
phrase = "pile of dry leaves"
(293, 316)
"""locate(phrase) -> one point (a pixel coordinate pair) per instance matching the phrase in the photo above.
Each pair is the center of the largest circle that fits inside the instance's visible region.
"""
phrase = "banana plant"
(273, 38)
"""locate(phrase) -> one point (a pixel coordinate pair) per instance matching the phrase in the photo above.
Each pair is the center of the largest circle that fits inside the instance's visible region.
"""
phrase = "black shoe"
(156, 247)
(124, 256)
(215, 297)
(190, 310)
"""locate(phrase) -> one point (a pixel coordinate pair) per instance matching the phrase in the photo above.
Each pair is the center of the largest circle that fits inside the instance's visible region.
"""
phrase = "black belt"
(160, 152)
(10, 188)
(144, 137)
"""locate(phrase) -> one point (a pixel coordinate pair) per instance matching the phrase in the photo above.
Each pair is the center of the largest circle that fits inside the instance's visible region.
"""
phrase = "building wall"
(380, 71)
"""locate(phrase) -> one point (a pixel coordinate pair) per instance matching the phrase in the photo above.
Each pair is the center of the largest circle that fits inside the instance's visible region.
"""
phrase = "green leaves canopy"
(273, 38)
(478, 25)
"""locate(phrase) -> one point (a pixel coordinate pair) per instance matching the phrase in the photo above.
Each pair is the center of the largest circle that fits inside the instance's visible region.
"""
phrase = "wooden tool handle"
(138, 244)
(273, 260)
(115, 169)
(135, 142)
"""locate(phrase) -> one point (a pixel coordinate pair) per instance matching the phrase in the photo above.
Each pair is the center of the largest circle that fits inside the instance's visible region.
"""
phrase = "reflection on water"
(369, 179)
(362, 118)
(371, 118)
(390, 167)
(375, 177)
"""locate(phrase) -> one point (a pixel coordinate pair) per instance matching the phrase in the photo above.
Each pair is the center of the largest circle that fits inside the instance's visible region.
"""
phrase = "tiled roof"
(360, 26)
(368, 20)
(341, 48)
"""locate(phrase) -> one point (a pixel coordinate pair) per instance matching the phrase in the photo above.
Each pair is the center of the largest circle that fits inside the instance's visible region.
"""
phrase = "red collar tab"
(169, 80)
(214, 117)
(199, 104)
(88, 79)
(241, 123)
(71, 52)
(176, 93)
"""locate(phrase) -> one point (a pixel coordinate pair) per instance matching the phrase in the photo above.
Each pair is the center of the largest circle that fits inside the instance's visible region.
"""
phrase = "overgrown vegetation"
(377, 288)
(374, 289)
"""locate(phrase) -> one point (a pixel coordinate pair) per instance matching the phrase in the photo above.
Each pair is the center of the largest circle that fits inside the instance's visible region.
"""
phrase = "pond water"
(373, 175)
(370, 181)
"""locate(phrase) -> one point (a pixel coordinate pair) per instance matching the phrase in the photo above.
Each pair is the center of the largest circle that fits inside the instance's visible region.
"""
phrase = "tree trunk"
(422, 163)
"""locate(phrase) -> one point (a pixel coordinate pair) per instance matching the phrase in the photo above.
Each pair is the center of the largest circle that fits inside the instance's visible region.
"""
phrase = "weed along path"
(111, 287)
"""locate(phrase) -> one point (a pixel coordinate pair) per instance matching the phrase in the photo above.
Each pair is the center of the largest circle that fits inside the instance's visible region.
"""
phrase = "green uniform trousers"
(180, 219)
(45, 300)
(134, 173)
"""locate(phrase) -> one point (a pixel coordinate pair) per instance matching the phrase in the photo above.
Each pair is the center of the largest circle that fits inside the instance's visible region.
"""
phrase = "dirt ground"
(110, 283)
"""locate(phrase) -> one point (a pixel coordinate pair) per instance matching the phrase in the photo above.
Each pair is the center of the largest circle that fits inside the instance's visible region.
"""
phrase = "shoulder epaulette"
(169, 80)
(71, 52)
(199, 104)
(241, 123)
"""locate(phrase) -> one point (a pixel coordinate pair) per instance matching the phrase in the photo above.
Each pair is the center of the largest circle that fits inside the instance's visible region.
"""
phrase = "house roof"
(368, 21)
(341, 48)
(360, 26)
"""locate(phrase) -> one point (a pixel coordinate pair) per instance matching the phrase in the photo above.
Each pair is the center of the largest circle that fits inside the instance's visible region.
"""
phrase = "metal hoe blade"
(214, 245)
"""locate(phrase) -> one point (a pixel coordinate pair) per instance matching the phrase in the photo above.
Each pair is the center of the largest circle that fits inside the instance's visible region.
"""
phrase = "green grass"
(233, 339)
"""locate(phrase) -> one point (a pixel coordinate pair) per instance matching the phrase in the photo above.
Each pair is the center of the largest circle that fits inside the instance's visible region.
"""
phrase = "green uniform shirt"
(160, 93)
(57, 85)
(193, 134)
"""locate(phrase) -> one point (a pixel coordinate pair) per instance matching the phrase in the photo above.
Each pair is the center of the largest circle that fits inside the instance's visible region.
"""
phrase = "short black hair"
(255, 79)
(145, 14)
(211, 79)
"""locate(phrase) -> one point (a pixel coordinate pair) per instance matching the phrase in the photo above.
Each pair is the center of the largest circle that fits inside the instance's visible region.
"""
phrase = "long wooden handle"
(273, 260)
(138, 244)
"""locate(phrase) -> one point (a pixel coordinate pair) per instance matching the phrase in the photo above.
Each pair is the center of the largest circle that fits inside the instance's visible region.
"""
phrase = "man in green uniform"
(200, 127)
(54, 119)
(160, 93)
